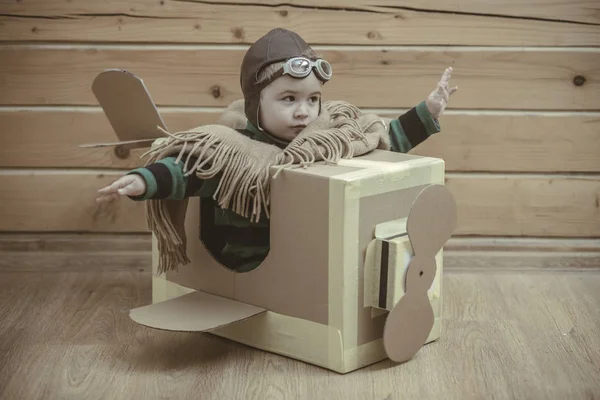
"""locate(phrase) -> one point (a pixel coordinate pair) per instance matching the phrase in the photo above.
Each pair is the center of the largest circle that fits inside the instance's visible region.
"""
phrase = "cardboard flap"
(127, 105)
(193, 312)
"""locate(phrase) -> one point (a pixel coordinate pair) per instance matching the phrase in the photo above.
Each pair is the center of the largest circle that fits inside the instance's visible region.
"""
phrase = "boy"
(281, 79)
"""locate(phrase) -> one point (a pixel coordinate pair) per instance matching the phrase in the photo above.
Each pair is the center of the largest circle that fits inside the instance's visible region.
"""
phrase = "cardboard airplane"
(354, 271)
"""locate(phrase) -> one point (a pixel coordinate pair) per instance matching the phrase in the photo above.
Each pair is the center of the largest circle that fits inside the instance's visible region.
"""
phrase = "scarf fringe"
(244, 164)
(171, 247)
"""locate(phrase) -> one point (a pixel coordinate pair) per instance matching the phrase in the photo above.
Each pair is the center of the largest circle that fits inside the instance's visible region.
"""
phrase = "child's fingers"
(116, 185)
(106, 198)
(112, 188)
(446, 76)
(454, 89)
(108, 189)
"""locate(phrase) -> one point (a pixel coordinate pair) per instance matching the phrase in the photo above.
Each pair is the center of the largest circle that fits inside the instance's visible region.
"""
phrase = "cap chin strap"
(258, 115)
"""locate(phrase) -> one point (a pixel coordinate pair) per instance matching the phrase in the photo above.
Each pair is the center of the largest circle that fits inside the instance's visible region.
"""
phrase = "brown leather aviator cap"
(277, 45)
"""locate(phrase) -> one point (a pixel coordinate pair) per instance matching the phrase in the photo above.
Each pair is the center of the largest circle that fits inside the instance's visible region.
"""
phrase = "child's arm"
(420, 122)
(161, 180)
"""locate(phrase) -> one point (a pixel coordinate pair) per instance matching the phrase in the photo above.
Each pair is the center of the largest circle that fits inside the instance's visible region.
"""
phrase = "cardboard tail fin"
(127, 104)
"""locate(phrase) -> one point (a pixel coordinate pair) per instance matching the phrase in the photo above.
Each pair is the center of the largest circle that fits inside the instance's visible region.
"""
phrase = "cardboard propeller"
(431, 221)
(129, 108)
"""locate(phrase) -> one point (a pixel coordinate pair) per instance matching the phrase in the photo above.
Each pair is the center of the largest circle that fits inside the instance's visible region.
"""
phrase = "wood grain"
(396, 78)
(506, 260)
(73, 262)
(51, 138)
(574, 10)
(510, 335)
(521, 254)
(496, 205)
(571, 316)
(466, 22)
(519, 245)
(64, 201)
(548, 206)
(96, 243)
(75, 252)
(43, 138)
(516, 143)
(133, 252)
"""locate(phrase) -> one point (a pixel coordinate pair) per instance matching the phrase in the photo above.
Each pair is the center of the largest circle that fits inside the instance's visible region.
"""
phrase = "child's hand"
(128, 185)
(438, 99)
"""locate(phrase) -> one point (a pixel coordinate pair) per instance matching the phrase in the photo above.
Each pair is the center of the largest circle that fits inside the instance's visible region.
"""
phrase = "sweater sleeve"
(165, 179)
(412, 128)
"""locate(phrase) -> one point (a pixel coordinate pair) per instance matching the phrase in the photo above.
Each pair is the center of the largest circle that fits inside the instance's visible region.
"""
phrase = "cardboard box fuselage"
(312, 282)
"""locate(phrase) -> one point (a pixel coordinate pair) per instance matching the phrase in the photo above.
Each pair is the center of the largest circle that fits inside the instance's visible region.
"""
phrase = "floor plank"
(71, 252)
(506, 335)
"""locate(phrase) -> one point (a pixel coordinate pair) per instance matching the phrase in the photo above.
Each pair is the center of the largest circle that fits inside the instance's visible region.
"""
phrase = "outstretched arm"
(417, 124)
(164, 179)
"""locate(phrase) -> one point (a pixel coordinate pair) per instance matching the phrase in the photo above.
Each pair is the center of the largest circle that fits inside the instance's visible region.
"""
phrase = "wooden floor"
(67, 335)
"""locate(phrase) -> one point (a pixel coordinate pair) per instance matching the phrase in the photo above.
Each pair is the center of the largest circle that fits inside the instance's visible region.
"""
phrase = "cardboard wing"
(129, 108)
(193, 312)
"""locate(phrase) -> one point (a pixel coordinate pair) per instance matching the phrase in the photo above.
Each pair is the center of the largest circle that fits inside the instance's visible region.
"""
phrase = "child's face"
(288, 104)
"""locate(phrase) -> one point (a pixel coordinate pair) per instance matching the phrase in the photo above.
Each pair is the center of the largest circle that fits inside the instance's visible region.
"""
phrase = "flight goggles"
(301, 67)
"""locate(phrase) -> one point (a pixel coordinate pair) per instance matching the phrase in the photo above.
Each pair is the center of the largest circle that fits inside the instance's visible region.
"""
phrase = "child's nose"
(301, 111)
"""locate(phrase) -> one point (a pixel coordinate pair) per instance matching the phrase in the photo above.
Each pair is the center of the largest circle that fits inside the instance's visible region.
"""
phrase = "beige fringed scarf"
(340, 131)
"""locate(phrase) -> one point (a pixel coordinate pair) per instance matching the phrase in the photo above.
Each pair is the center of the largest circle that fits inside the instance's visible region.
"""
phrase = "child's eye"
(288, 98)
(314, 99)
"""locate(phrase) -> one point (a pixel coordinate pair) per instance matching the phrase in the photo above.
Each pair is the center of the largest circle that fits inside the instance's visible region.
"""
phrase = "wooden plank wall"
(521, 138)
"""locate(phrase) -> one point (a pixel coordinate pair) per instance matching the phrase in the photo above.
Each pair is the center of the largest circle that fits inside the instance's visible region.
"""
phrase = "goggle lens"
(325, 68)
(300, 66)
